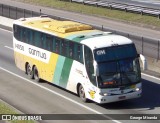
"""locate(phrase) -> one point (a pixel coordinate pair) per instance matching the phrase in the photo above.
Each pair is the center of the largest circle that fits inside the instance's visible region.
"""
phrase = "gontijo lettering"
(37, 53)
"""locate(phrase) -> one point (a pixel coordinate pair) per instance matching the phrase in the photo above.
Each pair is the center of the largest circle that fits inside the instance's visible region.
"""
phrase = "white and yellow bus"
(96, 65)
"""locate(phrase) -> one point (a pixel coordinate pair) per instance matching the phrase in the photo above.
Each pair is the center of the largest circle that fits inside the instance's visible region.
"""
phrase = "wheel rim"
(81, 92)
(36, 74)
(28, 70)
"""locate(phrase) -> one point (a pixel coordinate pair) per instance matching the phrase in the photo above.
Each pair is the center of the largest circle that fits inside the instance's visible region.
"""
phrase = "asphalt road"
(147, 3)
(44, 98)
(107, 23)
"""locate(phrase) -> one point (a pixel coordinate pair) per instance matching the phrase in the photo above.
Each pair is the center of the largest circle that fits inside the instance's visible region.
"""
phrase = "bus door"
(91, 78)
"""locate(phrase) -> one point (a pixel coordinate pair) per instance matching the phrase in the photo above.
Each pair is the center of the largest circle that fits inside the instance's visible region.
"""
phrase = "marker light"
(108, 83)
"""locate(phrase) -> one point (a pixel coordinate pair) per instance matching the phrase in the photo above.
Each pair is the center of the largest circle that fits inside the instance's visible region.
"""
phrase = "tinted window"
(71, 49)
(49, 42)
(89, 64)
(57, 44)
(115, 53)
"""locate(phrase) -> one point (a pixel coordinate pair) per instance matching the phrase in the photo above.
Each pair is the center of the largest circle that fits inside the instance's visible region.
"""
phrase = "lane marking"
(150, 76)
(6, 30)
(8, 47)
(58, 94)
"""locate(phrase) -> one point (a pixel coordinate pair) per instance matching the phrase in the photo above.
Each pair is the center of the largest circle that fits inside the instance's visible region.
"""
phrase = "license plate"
(122, 97)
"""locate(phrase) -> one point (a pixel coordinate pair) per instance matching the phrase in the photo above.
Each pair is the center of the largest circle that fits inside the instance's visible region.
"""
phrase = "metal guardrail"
(146, 46)
(121, 6)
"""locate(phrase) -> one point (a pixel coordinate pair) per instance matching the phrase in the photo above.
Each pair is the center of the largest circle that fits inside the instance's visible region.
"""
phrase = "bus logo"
(92, 94)
(101, 52)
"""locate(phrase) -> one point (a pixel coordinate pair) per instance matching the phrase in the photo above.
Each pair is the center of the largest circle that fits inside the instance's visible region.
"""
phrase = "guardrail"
(146, 46)
(121, 6)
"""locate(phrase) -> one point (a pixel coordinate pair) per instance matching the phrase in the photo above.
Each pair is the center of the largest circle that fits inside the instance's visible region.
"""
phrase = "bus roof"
(51, 25)
(106, 41)
(74, 31)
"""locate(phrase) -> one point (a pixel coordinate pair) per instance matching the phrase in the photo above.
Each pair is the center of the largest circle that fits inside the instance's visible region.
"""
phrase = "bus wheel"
(36, 74)
(29, 71)
(82, 93)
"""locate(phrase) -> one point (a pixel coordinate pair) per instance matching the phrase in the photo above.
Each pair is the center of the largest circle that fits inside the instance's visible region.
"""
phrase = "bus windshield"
(118, 66)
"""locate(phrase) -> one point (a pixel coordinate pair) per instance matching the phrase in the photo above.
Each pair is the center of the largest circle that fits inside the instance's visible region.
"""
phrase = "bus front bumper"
(116, 98)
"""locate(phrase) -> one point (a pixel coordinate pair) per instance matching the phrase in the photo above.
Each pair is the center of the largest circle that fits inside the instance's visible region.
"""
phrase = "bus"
(96, 65)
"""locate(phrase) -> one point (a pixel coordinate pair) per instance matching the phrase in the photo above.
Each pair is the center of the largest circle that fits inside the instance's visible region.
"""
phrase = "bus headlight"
(103, 94)
(137, 89)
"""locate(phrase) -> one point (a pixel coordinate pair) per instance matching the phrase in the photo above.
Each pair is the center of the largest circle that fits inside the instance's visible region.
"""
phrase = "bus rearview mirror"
(96, 69)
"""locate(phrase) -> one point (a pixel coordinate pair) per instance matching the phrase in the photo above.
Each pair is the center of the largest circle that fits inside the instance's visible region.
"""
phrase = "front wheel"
(82, 93)
(36, 74)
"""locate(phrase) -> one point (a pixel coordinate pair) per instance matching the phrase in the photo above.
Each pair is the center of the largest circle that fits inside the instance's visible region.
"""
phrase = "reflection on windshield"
(121, 72)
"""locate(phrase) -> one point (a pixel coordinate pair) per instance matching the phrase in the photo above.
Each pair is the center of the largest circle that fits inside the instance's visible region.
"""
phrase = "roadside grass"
(5, 109)
(133, 18)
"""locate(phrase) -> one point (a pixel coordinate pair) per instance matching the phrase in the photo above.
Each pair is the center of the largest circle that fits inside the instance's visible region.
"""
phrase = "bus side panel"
(19, 60)
(62, 71)
(76, 76)
(65, 72)
(58, 70)
(50, 67)
(46, 70)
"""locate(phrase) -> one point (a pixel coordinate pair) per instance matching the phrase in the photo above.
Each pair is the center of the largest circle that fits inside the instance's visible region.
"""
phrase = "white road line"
(6, 30)
(58, 94)
(8, 47)
(150, 76)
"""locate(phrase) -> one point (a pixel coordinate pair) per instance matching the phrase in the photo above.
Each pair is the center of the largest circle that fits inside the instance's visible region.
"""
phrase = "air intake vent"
(67, 26)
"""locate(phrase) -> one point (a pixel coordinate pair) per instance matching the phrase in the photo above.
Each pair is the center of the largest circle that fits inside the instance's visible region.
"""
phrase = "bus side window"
(66, 48)
(54, 44)
(62, 50)
(33, 38)
(43, 41)
(57, 43)
(80, 53)
(71, 47)
(24, 35)
(75, 55)
(28, 35)
(36, 40)
(49, 41)
(16, 32)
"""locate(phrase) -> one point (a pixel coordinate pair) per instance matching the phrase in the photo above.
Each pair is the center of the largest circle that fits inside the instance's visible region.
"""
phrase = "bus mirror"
(144, 62)
(96, 70)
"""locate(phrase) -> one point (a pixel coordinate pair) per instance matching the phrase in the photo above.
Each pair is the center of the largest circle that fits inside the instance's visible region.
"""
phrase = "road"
(44, 98)
(107, 23)
(147, 3)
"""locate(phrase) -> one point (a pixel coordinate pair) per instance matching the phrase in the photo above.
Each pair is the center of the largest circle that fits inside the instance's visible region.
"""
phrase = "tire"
(36, 74)
(29, 71)
(81, 93)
